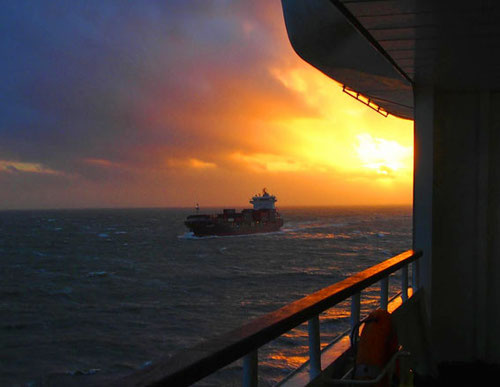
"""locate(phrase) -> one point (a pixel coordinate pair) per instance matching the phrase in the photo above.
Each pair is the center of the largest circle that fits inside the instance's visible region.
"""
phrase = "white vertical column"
(250, 369)
(314, 347)
(355, 309)
(423, 182)
(384, 293)
(483, 266)
(404, 283)
(415, 275)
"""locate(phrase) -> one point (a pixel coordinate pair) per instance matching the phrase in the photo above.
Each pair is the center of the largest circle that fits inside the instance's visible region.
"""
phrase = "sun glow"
(262, 162)
(383, 156)
(345, 136)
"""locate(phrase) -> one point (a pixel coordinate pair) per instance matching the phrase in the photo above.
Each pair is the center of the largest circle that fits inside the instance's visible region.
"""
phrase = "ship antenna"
(197, 207)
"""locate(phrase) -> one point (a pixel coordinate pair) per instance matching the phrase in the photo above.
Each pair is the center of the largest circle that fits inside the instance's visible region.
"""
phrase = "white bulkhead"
(264, 201)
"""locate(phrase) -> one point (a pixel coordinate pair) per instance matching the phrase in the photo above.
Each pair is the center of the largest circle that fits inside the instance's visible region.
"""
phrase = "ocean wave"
(311, 225)
(91, 371)
(146, 364)
(16, 326)
(66, 291)
(123, 299)
(191, 236)
(97, 274)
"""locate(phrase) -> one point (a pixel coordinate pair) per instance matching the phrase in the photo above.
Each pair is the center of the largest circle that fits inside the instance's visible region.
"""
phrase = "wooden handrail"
(193, 364)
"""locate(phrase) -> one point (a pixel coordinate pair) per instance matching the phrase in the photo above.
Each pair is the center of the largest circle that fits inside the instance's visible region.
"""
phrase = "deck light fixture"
(365, 100)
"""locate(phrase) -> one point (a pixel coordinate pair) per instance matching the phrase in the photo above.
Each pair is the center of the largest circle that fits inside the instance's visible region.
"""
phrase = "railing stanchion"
(384, 292)
(250, 368)
(415, 275)
(314, 347)
(404, 283)
(355, 309)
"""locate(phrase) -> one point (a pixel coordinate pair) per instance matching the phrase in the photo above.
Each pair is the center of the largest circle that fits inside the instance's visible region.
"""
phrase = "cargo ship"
(263, 217)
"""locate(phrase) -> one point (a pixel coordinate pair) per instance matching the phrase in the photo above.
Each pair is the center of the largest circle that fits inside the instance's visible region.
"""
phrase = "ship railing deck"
(193, 364)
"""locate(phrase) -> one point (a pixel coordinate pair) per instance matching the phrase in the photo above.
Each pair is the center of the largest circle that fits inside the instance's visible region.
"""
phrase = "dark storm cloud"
(72, 71)
(108, 80)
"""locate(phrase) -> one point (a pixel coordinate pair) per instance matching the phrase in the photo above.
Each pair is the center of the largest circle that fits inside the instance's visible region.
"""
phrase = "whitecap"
(91, 371)
(97, 274)
(64, 291)
(146, 364)
(189, 235)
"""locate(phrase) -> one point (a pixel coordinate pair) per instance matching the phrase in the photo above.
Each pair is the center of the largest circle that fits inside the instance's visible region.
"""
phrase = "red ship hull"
(233, 223)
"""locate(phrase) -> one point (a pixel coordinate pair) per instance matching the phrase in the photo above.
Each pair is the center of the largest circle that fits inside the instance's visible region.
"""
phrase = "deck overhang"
(322, 35)
(381, 48)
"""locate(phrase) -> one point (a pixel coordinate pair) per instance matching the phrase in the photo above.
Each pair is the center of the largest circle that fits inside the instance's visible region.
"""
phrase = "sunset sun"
(383, 156)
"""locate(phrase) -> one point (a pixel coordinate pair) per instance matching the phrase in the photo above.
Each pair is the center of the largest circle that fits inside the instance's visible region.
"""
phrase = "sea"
(94, 294)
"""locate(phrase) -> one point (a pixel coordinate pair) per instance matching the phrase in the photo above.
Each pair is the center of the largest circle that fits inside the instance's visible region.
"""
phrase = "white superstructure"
(264, 201)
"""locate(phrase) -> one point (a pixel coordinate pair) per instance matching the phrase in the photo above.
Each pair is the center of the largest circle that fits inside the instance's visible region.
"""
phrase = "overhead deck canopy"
(379, 48)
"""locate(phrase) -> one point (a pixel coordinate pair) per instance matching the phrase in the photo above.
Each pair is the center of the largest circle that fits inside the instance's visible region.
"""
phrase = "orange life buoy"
(377, 344)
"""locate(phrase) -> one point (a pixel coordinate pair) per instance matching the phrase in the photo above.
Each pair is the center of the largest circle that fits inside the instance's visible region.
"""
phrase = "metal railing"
(195, 363)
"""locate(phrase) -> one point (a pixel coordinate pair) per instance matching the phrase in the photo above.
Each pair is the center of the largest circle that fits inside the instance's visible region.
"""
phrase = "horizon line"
(193, 207)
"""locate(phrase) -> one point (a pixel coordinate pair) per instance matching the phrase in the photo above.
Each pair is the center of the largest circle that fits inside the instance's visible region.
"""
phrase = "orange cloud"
(193, 163)
(24, 167)
(265, 162)
(102, 163)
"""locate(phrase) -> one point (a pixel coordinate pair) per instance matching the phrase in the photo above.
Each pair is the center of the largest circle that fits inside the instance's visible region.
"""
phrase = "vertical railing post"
(314, 347)
(415, 282)
(250, 369)
(384, 293)
(404, 283)
(355, 309)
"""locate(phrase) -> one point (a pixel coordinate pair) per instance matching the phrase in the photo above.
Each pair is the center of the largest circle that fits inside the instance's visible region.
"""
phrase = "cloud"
(192, 163)
(26, 168)
(113, 103)
(274, 163)
(108, 80)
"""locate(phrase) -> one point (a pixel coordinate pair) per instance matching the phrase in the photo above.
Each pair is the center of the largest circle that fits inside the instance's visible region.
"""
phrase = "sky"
(172, 103)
